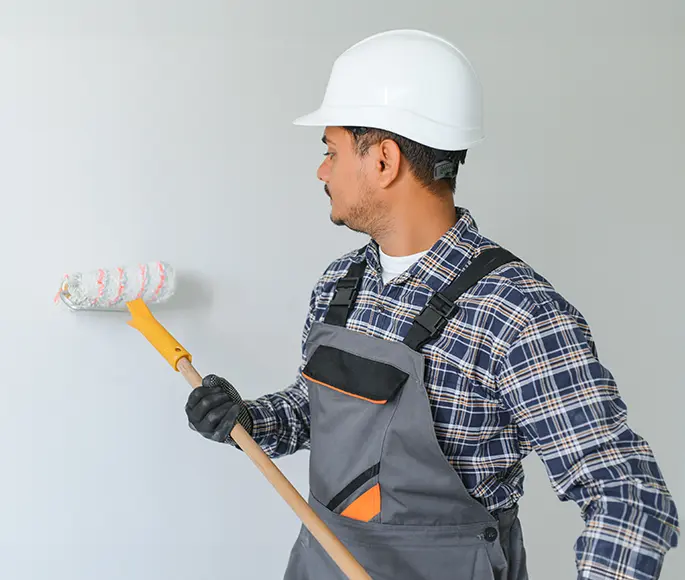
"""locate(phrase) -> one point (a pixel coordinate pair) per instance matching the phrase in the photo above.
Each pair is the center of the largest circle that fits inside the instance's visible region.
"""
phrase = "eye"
(329, 154)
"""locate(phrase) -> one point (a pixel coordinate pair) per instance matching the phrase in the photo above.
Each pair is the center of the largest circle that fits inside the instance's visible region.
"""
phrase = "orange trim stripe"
(366, 506)
(344, 392)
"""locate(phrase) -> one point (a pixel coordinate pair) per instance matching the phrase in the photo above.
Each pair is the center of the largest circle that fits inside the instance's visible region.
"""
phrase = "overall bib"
(378, 477)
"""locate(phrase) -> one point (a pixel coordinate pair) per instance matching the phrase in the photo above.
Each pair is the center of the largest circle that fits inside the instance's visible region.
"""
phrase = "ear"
(388, 162)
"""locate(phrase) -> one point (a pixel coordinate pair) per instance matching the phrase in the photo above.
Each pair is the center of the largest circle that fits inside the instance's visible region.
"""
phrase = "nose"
(323, 173)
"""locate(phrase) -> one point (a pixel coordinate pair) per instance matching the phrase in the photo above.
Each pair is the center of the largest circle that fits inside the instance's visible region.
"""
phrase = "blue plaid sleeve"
(567, 405)
(281, 420)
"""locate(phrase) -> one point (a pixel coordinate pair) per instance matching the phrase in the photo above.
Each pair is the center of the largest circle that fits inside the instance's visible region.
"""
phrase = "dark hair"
(430, 166)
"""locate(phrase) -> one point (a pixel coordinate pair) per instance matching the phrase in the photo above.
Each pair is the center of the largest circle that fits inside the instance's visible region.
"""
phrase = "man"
(434, 360)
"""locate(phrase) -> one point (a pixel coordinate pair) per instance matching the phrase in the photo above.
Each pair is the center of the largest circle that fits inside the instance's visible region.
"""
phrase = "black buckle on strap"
(345, 292)
(436, 313)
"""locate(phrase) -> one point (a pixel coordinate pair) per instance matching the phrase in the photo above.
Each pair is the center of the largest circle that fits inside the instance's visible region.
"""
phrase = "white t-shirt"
(393, 266)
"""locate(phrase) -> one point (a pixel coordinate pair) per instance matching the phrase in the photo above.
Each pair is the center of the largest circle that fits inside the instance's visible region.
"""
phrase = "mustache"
(325, 188)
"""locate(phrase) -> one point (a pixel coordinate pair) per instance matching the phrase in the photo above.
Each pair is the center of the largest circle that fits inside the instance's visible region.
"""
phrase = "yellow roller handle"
(143, 320)
(179, 358)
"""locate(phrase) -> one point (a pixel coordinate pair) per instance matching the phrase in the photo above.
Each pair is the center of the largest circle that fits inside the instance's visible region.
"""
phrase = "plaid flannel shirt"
(515, 370)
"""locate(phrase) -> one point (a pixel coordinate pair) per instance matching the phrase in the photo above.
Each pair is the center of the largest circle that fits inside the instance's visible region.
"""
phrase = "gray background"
(133, 131)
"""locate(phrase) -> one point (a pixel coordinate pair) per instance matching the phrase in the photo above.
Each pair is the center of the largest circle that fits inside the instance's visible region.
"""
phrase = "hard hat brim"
(401, 122)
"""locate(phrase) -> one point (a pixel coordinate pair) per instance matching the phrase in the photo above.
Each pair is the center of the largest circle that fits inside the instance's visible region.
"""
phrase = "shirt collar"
(445, 260)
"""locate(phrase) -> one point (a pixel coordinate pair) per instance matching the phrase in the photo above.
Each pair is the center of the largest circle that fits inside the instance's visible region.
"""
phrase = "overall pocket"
(361, 498)
(352, 400)
(367, 380)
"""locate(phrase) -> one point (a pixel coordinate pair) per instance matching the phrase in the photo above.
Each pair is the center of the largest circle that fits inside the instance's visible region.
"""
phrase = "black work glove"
(214, 408)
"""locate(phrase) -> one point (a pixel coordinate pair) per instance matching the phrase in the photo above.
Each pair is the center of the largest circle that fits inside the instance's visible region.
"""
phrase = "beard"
(367, 216)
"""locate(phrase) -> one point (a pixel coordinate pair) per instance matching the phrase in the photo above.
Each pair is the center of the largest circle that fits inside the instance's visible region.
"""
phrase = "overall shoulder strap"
(346, 289)
(441, 307)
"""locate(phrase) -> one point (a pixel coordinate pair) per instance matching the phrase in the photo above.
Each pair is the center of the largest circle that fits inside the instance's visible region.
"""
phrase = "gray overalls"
(378, 477)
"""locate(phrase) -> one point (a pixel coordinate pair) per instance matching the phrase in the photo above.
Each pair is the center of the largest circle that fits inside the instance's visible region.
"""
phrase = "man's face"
(354, 198)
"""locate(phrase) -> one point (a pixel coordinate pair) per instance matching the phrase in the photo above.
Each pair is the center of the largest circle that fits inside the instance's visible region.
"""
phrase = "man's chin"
(338, 221)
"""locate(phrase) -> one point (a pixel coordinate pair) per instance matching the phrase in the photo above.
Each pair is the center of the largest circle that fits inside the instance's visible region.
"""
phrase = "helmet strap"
(446, 168)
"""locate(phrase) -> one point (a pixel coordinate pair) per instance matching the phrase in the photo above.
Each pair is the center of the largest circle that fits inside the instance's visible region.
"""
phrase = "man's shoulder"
(518, 290)
(520, 282)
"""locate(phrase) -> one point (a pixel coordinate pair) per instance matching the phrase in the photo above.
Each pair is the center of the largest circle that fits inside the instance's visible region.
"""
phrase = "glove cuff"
(244, 417)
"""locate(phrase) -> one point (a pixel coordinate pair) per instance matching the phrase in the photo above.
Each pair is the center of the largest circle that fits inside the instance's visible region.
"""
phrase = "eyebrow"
(326, 141)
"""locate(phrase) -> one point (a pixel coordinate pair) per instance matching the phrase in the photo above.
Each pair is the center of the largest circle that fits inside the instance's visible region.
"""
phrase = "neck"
(416, 227)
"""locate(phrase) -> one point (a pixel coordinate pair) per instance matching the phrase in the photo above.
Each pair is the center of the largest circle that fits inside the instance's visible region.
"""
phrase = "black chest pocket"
(354, 375)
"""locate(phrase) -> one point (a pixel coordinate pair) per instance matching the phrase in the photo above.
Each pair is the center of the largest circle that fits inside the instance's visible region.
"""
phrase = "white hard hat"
(409, 82)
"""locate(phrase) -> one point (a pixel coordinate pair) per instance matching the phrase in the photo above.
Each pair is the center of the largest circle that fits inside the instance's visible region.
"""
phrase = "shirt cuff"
(262, 423)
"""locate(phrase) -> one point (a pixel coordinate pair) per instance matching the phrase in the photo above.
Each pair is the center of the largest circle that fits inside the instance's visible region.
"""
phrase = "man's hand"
(214, 408)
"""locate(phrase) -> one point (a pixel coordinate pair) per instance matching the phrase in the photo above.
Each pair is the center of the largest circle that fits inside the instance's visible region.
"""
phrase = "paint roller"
(132, 288)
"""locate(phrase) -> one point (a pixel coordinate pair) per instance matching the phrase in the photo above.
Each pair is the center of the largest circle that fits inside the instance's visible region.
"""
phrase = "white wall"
(134, 131)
